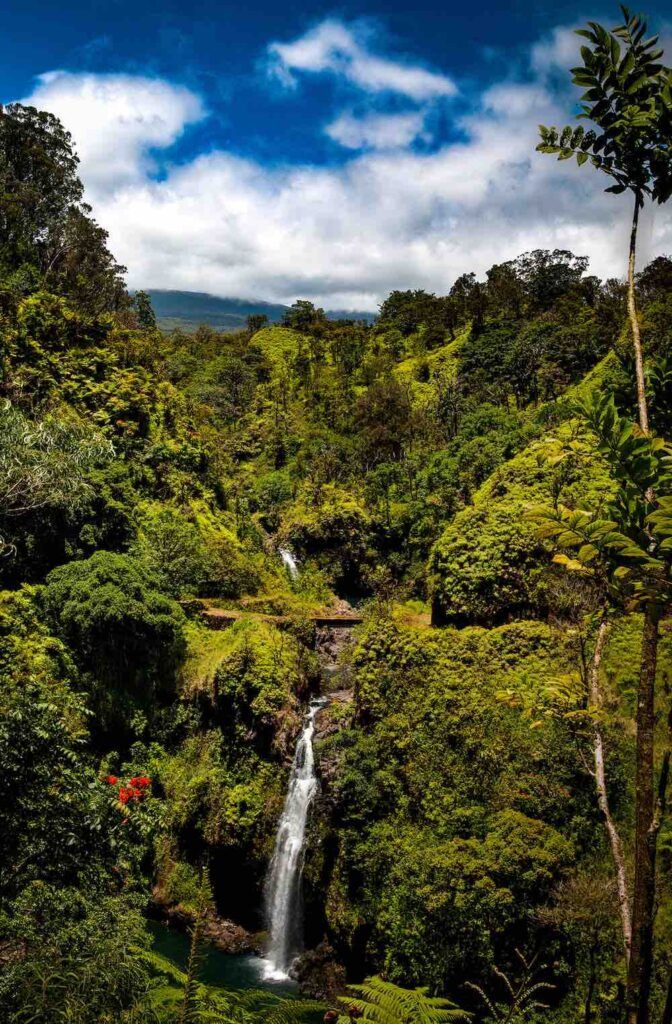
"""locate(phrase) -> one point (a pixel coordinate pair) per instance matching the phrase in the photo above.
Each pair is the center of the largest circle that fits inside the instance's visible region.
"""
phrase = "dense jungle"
(450, 524)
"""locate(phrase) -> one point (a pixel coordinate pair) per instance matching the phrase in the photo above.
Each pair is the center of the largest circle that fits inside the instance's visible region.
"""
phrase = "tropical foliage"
(485, 474)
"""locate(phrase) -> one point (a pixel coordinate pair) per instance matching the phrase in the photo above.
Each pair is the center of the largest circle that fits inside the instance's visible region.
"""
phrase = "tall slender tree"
(628, 100)
(632, 545)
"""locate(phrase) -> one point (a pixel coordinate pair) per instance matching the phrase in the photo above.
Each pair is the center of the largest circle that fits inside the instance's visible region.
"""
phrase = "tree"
(383, 414)
(547, 276)
(407, 311)
(45, 462)
(583, 908)
(144, 310)
(83, 268)
(227, 385)
(46, 230)
(656, 278)
(505, 290)
(126, 636)
(469, 298)
(628, 98)
(70, 924)
(627, 549)
(256, 322)
(39, 184)
(302, 316)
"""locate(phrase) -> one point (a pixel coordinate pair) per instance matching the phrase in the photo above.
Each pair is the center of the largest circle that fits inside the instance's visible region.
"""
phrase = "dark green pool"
(223, 970)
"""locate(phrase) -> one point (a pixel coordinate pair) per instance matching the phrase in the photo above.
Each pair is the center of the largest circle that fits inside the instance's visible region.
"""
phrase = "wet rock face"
(319, 974)
(326, 723)
(230, 937)
(331, 644)
(332, 719)
(227, 936)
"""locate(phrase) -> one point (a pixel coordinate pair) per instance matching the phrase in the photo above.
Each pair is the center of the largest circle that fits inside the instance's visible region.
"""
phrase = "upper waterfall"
(290, 562)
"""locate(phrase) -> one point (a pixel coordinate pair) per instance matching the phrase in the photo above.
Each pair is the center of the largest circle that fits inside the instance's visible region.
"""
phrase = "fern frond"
(386, 1003)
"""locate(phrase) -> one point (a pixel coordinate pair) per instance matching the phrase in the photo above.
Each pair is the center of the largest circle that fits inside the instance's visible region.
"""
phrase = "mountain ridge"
(186, 310)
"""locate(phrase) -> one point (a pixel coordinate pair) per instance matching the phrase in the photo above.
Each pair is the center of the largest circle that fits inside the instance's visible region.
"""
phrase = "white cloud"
(116, 120)
(557, 52)
(377, 131)
(343, 236)
(337, 48)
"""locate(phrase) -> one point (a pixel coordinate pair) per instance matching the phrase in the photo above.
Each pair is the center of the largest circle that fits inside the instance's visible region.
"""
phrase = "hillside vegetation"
(457, 836)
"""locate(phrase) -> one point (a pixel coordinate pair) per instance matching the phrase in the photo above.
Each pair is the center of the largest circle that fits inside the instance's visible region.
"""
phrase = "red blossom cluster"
(134, 790)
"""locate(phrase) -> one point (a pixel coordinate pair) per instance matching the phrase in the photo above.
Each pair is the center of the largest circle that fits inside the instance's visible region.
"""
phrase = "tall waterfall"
(283, 883)
(290, 562)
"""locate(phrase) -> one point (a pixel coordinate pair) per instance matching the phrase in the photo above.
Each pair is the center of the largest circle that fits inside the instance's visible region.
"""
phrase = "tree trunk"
(634, 322)
(595, 698)
(667, 1010)
(588, 1009)
(641, 952)
(643, 909)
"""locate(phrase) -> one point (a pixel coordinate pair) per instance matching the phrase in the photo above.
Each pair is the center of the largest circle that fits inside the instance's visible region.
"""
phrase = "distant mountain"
(187, 310)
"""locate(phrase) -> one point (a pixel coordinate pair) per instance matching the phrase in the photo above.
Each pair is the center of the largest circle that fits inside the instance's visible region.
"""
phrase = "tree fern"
(290, 1011)
(209, 1005)
(385, 1003)
(165, 1004)
(189, 1010)
(521, 1000)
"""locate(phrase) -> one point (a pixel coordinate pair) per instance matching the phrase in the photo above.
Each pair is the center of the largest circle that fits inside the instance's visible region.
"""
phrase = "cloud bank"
(388, 216)
(377, 131)
(340, 49)
(116, 120)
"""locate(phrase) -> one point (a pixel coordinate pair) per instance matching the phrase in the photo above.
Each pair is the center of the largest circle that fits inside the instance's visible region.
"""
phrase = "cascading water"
(290, 562)
(283, 883)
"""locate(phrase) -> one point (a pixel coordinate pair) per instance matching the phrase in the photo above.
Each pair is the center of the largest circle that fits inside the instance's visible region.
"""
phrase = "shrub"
(124, 632)
(189, 560)
(489, 566)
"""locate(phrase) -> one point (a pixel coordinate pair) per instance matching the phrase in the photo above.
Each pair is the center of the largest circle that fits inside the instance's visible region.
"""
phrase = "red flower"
(125, 795)
(112, 780)
(141, 781)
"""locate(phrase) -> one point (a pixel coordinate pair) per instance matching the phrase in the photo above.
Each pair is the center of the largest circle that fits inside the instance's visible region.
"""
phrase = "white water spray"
(283, 883)
(290, 562)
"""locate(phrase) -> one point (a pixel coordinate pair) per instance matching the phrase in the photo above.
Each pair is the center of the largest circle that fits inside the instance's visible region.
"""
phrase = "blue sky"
(332, 152)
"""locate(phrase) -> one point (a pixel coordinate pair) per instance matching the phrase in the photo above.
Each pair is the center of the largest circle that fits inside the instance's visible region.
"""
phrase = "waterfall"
(290, 562)
(283, 883)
